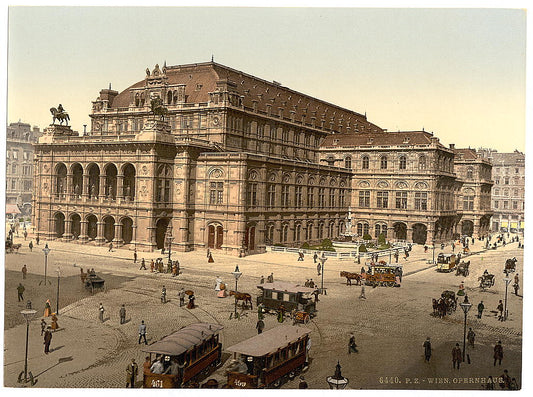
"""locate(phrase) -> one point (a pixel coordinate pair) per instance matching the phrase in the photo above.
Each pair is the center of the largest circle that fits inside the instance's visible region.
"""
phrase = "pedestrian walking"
(300, 256)
(181, 295)
(191, 304)
(152, 266)
(500, 309)
(135, 256)
(505, 380)
(471, 336)
(163, 295)
(315, 257)
(210, 258)
(142, 332)
(262, 280)
(281, 313)
(352, 347)
(122, 314)
(110, 247)
(37, 240)
(30, 246)
(43, 326)
(47, 339)
(101, 311)
(516, 284)
(131, 373)
(453, 247)
(427, 349)
(25, 234)
(174, 269)
(260, 326)
(457, 356)
(47, 308)
(498, 353)
(362, 296)
(143, 264)
(270, 278)
(146, 365)
(20, 292)
(311, 284)
(24, 272)
(490, 383)
(480, 308)
(318, 268)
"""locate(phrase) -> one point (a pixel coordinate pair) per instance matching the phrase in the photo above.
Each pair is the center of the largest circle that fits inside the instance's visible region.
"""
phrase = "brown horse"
(242, 296)
(352, 276)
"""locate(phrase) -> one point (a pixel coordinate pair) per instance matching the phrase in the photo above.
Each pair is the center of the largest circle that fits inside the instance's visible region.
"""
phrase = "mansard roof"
(384, 138)
(465, 154)
(202, 78)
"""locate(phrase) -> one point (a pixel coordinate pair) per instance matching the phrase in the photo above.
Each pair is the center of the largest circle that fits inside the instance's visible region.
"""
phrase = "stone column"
(68, 182)
(118, 235)
(83, 232)
(100, 233)
(67, 235)
(120, 187)
(86, 188)
(409, 233)
(101, 192)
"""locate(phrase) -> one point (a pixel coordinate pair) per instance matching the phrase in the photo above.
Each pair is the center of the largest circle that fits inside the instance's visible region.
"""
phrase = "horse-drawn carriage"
(293, 297)
(10, 247)
(446, 262)
(486, 280)
(94, 282)
(381, 275)
(269, 359)
(187, 354)
(510, 265)
(463, 269)
(447, 304)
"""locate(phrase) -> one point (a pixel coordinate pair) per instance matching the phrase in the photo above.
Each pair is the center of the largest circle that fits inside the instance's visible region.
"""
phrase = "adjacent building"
(20, 138)
(205, 156)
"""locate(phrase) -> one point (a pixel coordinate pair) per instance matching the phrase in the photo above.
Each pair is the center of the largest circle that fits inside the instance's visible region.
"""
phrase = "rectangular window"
(496, 203)
(285, 196)
(216, 193)
(505, 205)
(310, 197)
(13, 184)
(421, 201)
(515, 205)
(401, 200)
(364, 199)
(252, 194)
(298, 196)
(14, 169)
(321, 197)
(468, 203)
(15, 154)
(332, 197)
(383, 200)
(506, 181)
(25, 155)
(271, 196)
(342, 193)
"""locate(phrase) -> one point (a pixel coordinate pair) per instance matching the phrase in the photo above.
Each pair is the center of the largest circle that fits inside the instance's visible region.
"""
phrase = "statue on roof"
(156, 104)
(60, 115)
(147, 72)
(156, 71)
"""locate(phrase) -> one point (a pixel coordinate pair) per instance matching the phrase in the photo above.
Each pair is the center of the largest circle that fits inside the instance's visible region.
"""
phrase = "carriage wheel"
(306, 318)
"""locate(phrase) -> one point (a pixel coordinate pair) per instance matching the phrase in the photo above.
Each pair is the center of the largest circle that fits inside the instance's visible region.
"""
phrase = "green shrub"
(381, 239)
(326, 243)
(279, 245)
(362, 248)
(367, 237)
(305, 246)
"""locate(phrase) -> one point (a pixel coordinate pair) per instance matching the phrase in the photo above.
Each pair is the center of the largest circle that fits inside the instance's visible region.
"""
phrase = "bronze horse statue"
(61, 116)
(157, 108)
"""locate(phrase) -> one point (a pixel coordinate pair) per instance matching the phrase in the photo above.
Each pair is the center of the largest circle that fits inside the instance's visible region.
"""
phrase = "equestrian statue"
(157, 107)
(60, 115)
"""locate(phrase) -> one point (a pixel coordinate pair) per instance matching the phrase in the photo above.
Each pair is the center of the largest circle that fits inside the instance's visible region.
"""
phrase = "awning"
(504, 224)
(514, 225)
(12, 209)
(269, 341)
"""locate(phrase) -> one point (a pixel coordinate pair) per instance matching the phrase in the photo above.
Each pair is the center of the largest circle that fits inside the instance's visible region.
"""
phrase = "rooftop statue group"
(60, 115)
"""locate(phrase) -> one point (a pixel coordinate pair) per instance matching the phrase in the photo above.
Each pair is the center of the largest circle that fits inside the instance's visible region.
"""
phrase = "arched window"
(169, 97)
(403, 162)
(470, 173)
(348, 162)
(366, 162)
(422, 162)
(137, 100)
(284, 233)
(164, 175)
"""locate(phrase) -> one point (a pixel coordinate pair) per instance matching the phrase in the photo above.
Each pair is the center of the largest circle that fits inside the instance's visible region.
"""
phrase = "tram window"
(292, 297)
(280, 296)
(268, 294)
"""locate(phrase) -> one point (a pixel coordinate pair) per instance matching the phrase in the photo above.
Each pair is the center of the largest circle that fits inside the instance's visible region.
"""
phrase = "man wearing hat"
(131, 373)
(47, 339)
(427, 349)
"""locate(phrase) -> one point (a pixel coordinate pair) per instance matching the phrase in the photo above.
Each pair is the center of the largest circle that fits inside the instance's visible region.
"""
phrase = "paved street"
(390, 326)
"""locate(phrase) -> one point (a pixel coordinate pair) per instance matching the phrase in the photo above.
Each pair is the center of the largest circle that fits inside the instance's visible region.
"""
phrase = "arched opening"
(61, 179)
(420, 233)
(127, 230)
(249, 238)
(160, 232)
(269, 238)
(59, 227)
(75, 226)
(400, 231)
(77, 180)
(94, 181)
(467, 228)
(109, 228)
(129, 182)
(362, 229)
(215, 237)
(169, 97)
(111, 182)
(92, 227)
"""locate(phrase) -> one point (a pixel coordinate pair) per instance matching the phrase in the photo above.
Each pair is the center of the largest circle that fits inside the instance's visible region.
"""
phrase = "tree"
(367, 236)
(362, 248)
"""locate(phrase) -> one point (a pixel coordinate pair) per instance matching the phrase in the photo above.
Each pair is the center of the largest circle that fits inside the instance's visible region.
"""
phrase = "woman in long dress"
(47, 308)
(54, 322)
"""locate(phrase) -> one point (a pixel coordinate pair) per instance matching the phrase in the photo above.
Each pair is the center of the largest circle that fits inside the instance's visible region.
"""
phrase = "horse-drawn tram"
(184, 355)
(291, 296)
(270, 358)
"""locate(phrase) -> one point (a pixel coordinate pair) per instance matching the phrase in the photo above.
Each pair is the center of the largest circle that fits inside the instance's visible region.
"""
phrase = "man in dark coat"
(47, 339)
(20, 291)
(352, 347)
(427, 349)
(260, 326)
(498, 353)
(122, 313)
(457, 356)
(480, 309)
(131, 373)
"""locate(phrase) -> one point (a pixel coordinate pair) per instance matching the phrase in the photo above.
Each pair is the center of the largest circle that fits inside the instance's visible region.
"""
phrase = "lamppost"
(323, 260)
(28, 315)
(57, 297)
(169, 242)
(507, 281)
(433, 252)
(236, 273)
(337, 381)
(466, 307)
(46, 251)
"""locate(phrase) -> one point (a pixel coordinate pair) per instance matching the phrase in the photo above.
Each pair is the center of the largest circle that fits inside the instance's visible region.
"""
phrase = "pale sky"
(459, 73)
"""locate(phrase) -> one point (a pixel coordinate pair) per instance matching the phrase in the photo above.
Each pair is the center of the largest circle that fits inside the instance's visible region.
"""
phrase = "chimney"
(452, 146)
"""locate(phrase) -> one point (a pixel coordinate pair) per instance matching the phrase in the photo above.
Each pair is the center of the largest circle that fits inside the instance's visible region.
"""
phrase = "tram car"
(194, 348)
(447, 262)
(382, 275)
(267, 360)
(291, 296)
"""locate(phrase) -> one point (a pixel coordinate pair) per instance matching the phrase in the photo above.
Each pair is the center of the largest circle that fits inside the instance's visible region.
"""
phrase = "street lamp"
(433, 252)
(236, 273)
(466, 307)
(507, 281)
(169, 242)
(57, 298)
(28, 315)
(323, 260)
(46, 251)
(337, 381)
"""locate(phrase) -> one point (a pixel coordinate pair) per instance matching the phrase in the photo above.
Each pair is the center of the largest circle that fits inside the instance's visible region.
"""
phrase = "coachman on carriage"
(510, 265)
(447, 304)
(486, 280)
(462, 269)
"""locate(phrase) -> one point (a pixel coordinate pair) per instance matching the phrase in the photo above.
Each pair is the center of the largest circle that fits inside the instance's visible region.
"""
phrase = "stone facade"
(20, 138)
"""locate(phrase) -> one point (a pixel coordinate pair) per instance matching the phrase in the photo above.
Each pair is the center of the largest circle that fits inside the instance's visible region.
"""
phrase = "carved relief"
(252, 175)
(364, 184)
(286, 178)
(272, 177)
(216, 173)
(383, 184)
(401, 185)
(421, 185)
(145, 169)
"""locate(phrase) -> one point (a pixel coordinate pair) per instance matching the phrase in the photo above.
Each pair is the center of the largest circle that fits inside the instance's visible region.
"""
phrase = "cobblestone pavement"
(390, 325)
